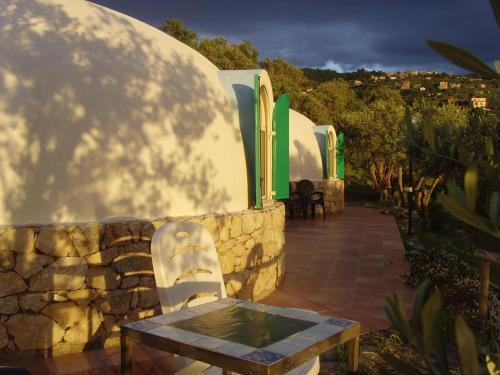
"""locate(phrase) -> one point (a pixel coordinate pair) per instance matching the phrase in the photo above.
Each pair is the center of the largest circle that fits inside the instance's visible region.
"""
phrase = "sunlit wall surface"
(305, 155)
(104, 116)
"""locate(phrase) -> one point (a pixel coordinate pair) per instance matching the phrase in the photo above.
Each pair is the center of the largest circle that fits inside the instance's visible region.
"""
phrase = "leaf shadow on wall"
(101, 148)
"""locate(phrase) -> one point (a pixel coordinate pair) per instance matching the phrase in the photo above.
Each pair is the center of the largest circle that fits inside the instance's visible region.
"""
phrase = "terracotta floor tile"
(74, 363)
(38, 367)
(360, 257)
(98, 371)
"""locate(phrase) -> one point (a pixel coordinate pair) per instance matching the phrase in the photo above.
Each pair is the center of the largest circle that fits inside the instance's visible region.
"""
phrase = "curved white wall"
(104, 116)
(305, 155)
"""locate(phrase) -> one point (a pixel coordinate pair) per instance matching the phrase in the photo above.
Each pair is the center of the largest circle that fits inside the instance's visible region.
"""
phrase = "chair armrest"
(320, 193)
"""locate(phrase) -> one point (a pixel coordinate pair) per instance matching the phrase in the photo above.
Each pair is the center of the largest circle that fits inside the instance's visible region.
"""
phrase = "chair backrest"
(186, 266)
(306, 187)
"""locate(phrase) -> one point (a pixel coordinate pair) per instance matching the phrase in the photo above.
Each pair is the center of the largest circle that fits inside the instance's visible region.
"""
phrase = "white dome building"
(109, 128)
(305, 154)
(103, 116)
(312, 151)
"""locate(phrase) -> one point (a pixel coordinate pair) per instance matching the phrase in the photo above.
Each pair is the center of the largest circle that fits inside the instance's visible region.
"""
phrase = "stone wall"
(68, 288)
(334, 194)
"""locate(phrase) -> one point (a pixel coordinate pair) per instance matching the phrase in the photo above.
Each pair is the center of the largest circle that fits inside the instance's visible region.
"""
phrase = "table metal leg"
(126, 354)
(353, 354)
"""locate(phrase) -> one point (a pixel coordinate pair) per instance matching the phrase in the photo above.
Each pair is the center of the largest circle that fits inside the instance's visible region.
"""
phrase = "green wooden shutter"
(256, 97)
(280, 148)
(340, 156)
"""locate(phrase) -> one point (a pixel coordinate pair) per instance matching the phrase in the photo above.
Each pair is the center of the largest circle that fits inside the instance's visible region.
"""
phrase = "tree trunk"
(427, 199)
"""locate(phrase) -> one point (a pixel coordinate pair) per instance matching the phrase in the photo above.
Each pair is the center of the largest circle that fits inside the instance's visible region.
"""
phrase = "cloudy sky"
(338, 34)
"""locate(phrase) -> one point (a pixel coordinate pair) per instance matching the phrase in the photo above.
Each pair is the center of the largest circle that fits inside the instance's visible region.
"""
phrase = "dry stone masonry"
(67, 288)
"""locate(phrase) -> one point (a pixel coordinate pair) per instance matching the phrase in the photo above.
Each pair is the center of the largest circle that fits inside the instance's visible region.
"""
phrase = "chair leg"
(126, 355)
(324, 210)
(304, 211)
(353, 354)
(313, 210)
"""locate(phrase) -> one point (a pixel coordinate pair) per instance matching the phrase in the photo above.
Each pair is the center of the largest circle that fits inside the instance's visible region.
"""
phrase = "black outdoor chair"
(310, 198)
(294, 200)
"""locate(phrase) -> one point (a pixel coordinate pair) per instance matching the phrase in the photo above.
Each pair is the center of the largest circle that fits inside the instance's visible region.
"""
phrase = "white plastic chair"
(187, 273)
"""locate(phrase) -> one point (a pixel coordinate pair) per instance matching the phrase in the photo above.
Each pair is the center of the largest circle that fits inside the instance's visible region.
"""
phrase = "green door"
(340, 156)
(280, 148)
(256, 98)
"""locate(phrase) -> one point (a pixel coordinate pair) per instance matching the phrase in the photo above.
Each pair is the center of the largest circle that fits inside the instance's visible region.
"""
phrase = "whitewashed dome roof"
(305, 155)
(104, 116)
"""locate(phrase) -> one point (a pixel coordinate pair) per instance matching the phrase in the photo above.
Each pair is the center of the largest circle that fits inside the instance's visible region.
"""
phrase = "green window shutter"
(340, 156)
(256, 97)
(280, 148)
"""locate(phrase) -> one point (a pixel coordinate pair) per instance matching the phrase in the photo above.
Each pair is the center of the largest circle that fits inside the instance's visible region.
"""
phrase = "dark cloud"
(384, 34)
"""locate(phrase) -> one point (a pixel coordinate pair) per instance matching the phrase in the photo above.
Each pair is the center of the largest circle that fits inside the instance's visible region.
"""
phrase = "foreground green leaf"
(490, 147)
(494, 211)
(466, 347)
(495, 4)
(492, 366)
(395, 311)
(463, 58)
(469, 217)
(431, 323)
(470, 184)
(420, 296)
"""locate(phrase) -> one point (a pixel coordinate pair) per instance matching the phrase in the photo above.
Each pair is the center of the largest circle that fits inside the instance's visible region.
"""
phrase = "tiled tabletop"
(320, 334)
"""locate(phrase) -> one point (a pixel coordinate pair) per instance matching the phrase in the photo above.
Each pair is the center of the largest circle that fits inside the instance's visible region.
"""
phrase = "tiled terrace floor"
(343, 266)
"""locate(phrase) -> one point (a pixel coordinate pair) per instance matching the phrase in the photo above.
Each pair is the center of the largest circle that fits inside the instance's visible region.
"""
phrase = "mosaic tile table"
(244, 337)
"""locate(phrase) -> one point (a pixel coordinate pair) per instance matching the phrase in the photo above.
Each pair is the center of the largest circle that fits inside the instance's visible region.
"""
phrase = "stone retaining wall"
(68, 288)
(334, 195)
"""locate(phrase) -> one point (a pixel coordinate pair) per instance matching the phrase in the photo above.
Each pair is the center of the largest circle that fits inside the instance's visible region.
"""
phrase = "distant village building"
(428, 78)
(392, 77)
(405, 85)
(478, 102)
(443, 85)
(417, 86)
(358, 83)
(482, 85)
(382, 78)
(422, 89)
(455, 85)
(374, 78)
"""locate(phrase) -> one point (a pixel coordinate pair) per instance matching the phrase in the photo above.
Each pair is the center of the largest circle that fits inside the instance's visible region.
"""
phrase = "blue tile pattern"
(339, 322)
(143, 325)
(263, 356)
